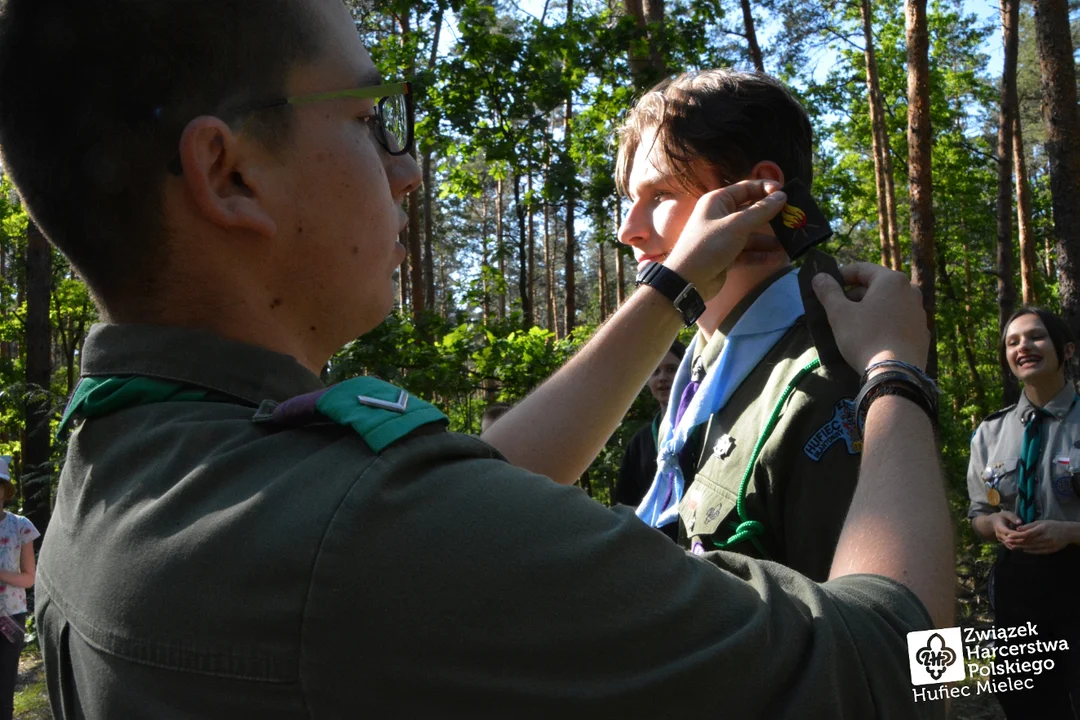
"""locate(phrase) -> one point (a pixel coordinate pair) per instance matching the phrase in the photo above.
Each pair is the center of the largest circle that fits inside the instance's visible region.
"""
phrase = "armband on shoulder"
(378, 411)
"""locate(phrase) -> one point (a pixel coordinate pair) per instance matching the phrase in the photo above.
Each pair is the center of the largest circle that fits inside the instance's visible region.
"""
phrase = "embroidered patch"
(840, 427)
(1063, 486)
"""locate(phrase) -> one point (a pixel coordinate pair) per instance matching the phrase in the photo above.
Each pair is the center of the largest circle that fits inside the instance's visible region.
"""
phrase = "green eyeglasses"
(391, 123)
(393, 117)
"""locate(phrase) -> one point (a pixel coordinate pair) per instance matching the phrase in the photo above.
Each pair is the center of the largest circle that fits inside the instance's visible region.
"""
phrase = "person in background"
(492, 412)
(639, 461)
(17, 569)
(1024, 487)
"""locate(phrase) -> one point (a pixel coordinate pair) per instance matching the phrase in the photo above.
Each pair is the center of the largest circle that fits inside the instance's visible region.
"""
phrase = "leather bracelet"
(894, 383)
(913, 369)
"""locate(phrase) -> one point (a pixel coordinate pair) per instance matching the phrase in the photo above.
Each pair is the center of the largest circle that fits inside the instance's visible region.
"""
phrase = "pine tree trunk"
(570, 306)
(1006, 288)
(1058, 72)
(602, 281)
(753, 48)
(429, 185)
(36, 468)
(500, 248)
(429, 234)
(485, 260)
(919, 169)
(620, 275)
(1023, 216)
(549, 271)
(645, 67)
(879, 138)
(531, 287)
(416, 260)
(403, 273)
(523, 256)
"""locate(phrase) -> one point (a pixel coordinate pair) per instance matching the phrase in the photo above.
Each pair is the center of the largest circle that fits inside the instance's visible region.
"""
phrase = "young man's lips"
(645, 259)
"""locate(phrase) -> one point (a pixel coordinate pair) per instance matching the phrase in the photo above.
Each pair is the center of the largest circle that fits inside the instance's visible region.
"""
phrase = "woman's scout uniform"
(777, 466)
(996, 450)
(1025, 587)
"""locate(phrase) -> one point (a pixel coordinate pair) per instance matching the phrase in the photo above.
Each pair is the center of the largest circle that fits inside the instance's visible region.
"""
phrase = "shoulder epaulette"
(378, 411)
(998, 413)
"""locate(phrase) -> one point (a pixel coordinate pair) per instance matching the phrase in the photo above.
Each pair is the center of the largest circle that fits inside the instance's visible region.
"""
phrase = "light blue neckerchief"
(760, 327)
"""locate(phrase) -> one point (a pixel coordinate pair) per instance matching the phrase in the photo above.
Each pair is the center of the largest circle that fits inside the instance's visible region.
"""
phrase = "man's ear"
(767, 170)
(1070, 350)
(222, 181)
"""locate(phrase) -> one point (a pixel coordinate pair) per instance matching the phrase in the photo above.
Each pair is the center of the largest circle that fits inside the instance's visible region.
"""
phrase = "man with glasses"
(232, 539)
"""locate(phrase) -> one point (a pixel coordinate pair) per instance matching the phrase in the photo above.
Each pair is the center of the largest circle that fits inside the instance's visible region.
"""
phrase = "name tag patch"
(840, 427)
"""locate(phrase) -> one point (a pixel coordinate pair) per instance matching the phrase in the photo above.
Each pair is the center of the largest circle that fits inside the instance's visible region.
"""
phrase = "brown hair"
(732, 120)
(9, 490)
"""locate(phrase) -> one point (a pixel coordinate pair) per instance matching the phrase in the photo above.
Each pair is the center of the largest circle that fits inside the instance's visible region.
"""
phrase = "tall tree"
(879, 137)
(570, 306)
(1006, 288)
(920, 178)
(1058, 70)
(752, 47)
(36, 467)
(1023, 215)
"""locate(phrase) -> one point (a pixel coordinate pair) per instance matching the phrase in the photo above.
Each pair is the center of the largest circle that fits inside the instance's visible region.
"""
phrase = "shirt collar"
(772, 303)
(1059, 405)
(195, 357)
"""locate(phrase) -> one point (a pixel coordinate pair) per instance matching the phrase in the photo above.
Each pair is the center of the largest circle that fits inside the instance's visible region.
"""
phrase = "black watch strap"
(668, 282)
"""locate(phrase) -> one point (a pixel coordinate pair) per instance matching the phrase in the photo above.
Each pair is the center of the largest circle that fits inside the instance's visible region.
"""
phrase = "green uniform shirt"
(805, 474)
(202, 565)
(995, 459)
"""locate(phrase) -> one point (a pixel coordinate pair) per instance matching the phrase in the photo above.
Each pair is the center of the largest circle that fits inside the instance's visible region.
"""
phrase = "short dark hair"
(677, 349)
(1059, 331)
(732, 120)
(93, 100)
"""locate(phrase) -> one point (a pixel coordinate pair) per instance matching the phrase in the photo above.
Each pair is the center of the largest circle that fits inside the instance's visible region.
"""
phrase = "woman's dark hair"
(677, 349)
(1059, 331)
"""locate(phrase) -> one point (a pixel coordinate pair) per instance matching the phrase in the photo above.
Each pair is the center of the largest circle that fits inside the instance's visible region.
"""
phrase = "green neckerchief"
(97, 396)
(656, 429)
(1030, 452)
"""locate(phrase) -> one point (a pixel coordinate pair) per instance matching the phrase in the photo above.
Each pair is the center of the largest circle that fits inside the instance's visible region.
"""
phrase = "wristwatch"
(683, 294)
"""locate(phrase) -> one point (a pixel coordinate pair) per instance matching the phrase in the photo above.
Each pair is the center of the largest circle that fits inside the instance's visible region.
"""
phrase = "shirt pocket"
(1067, 478)
(1003, 474)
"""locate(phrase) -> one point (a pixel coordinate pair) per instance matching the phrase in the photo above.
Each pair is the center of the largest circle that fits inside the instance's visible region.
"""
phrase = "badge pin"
(724, 447)
(993, 497)
(398, 407)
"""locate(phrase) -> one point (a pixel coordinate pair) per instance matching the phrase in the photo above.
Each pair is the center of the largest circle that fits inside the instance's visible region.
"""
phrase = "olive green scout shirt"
(995, 459)
(802, 482)
(202, 565)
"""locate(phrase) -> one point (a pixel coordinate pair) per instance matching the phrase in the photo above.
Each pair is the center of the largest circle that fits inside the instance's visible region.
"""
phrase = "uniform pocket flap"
(705, 507)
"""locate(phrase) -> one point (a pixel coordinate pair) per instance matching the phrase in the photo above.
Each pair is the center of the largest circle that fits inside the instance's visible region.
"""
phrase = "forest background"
(927, 158)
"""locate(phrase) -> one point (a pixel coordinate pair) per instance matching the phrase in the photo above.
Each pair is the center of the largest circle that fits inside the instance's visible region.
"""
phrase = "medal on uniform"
(993, 497)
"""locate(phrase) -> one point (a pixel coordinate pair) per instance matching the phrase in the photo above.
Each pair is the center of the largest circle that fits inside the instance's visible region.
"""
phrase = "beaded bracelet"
(897, 383)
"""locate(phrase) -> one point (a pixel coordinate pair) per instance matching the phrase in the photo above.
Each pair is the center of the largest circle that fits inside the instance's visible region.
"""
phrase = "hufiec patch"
(840, 427)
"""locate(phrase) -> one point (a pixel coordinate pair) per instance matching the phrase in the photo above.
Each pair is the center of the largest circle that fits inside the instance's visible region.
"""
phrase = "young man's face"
(340, 206)
(663, 377)
(661, 207)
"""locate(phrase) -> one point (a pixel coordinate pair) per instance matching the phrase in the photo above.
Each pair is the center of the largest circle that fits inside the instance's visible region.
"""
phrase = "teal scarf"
(1028, 480)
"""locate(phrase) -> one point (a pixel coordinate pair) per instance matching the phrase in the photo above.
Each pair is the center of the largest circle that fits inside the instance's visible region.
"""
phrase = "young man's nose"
(403, 174)
(634, 229)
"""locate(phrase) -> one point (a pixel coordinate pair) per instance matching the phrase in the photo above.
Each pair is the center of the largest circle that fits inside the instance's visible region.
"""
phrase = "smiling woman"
(1024, 486)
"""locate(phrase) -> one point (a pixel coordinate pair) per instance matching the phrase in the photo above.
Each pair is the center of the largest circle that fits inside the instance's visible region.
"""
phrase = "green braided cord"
(747, 528)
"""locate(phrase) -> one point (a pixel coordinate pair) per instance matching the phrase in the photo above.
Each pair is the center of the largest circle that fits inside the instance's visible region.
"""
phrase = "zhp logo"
(934, 656)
